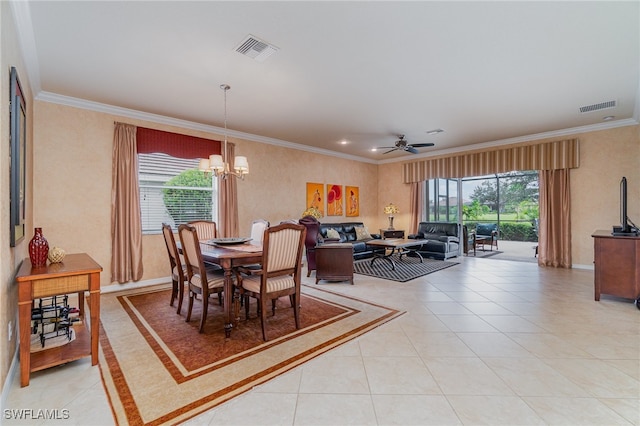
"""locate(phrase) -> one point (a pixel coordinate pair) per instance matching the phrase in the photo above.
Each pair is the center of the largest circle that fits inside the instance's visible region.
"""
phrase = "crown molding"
(161, 119)
(24, 28)
(526, 138)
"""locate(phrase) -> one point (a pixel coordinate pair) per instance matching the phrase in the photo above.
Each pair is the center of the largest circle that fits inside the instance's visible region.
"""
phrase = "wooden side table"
(392, 233)
(334, 262)
(76, 274)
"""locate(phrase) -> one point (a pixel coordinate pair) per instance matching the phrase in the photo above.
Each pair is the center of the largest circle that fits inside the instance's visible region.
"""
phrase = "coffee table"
(402, 246)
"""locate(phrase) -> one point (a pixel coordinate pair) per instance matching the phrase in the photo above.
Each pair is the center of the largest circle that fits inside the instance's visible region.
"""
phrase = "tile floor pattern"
(485, 342)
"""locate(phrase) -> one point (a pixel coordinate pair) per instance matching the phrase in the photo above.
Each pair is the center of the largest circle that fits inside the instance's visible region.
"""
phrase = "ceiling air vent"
(598, 107)
(255, 48)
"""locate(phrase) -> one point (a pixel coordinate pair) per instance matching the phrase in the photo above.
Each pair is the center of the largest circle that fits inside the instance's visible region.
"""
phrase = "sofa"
(347, 233)
(318, 233)
(440, 240)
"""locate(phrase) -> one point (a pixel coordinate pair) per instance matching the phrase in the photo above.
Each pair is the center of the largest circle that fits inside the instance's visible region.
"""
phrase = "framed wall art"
(17, 162)
(315, 197)
(334, 200)
(352, 197)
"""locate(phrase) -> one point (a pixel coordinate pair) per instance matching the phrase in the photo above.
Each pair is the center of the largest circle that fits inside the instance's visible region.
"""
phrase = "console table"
(617, 265)
(76, 274)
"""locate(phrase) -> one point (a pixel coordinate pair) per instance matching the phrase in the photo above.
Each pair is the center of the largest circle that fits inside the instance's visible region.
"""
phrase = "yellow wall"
(10, 258)
(69, 185)
(605, 157)
(73, 184)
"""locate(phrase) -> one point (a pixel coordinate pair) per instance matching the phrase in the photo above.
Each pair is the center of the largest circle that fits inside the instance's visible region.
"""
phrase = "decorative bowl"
(56, 255)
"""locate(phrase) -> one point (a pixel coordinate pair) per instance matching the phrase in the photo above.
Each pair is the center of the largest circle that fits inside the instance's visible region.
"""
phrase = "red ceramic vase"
(38, 249)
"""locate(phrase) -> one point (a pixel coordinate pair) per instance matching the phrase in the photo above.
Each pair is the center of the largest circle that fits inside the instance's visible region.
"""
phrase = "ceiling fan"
(402, 144)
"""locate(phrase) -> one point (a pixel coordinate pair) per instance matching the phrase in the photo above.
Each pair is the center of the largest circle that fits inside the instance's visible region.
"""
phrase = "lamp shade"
(241, 165)
(216, 163)
(204, 165)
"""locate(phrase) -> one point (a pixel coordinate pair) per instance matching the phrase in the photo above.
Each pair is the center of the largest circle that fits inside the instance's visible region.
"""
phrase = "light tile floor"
(486, 342)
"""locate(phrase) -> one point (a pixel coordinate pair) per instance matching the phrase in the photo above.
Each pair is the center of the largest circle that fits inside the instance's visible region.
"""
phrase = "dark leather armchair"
(311, 240)
(441, 239)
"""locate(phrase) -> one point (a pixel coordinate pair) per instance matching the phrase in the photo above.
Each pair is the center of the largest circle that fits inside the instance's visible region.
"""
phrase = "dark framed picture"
(17, 162)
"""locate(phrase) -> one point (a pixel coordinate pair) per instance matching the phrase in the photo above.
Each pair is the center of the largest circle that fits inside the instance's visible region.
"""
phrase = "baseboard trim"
(579, 266)
(13, 370)
(131, 285)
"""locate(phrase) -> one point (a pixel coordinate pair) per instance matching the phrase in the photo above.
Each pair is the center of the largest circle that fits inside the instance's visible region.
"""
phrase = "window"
(510, 199)
(442, 196)
(174, 191)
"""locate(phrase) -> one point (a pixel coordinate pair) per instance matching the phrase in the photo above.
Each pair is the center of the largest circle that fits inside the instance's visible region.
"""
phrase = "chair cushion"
(175, 273)
(485, 228)
(215, 281)
(252, 283)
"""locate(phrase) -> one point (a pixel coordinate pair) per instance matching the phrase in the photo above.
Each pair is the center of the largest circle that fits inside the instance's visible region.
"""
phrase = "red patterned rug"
(157, 369)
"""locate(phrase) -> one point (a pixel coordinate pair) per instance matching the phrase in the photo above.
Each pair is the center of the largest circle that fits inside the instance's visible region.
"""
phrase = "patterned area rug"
(157, 369)
(406, 269)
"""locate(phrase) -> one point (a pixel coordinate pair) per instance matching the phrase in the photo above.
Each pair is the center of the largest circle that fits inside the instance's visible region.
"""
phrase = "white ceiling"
(361, 72)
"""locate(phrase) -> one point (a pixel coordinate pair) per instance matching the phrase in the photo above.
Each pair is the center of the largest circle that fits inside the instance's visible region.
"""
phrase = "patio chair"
(486, 233)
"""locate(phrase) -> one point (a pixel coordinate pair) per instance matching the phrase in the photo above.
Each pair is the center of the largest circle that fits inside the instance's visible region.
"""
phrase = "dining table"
(229, 257)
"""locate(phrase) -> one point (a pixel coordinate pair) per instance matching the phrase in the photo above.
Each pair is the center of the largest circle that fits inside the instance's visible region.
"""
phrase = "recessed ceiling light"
(374, 149)
(435, 131)
(608, 118)
(344, 142)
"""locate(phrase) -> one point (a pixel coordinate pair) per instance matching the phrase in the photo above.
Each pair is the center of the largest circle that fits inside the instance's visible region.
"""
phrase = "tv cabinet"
(78, 273)
(617, 266)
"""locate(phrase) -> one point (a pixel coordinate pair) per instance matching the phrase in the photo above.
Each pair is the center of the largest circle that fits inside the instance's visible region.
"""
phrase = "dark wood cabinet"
(334, 262)
(617, 265)
(392, 233)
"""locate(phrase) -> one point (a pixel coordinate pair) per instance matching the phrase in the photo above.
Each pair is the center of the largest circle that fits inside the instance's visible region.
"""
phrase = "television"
(625, 228)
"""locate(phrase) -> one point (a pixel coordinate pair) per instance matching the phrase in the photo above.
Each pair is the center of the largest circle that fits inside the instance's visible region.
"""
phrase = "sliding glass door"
(443, 201)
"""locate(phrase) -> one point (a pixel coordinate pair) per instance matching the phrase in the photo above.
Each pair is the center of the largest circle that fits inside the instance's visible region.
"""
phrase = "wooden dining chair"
(201, 280)
(206, 229)
(282, 248)
(178, 268)
(257, 233)
(257, 230)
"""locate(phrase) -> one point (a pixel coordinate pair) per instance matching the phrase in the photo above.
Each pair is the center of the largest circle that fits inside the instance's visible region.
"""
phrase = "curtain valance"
(175, 144)
(544, 156)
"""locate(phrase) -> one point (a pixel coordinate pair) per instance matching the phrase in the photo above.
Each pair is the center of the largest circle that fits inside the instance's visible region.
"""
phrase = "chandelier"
(219, 164)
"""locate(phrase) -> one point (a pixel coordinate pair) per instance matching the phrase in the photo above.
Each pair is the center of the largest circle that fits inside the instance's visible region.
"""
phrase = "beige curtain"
(228, 200)
(554, 235)
(126, 223)
(416, 204)
(562, 154)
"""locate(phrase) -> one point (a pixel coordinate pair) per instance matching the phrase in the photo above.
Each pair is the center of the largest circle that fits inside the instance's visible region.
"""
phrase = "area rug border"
(120, 395)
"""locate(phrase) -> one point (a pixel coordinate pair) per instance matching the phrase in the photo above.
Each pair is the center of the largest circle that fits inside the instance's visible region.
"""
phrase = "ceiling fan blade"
(386, 147)
(411, 149)
(390, 150)
(421, 145)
